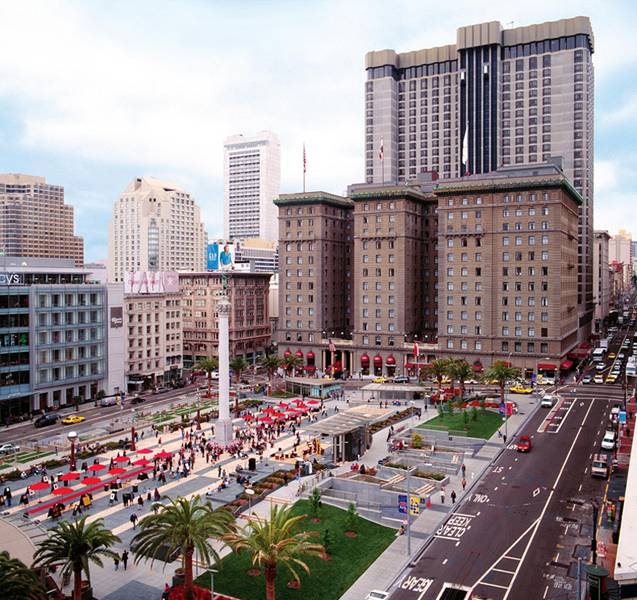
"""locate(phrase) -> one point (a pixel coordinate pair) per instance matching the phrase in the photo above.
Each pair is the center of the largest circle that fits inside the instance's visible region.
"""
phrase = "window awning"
(417, 365)
(364, 360)
(299, 354)
(378, 360)
(390, 360)
(566, 364)
(546, 366)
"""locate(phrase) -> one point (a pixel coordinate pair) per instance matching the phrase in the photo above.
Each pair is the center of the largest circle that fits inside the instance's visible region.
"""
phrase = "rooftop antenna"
(510, 23)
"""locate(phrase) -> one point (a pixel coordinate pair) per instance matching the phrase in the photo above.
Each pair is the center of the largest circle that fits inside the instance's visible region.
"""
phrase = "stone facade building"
(601, 278)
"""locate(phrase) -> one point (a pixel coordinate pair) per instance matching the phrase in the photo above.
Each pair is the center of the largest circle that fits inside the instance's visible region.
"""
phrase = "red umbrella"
(248, 417)
(279, 415)
(142, 462)
(265, 419)
(62, 491)
(70, 476)
(40, 485)
(268, 409)
(145, 451)
(119, 459)
(293, 412)
(163, 454)
(96, 467)
(91, 480)
(313, 402)
(301, 406)
(282, 405)
(117, 471)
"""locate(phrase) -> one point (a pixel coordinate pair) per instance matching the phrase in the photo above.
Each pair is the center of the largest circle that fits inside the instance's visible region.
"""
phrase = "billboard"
(150, 282)
(220, 256)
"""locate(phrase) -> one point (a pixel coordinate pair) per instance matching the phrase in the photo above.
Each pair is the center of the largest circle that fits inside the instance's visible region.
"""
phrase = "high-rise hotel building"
(35, 222)
(252, 177)
(496, 97)
(156, 226)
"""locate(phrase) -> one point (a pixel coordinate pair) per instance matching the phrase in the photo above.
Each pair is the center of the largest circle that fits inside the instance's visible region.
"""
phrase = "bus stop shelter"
(374, 392)
(313, 387)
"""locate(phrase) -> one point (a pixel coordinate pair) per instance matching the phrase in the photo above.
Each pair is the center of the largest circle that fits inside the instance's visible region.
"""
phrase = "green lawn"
(329, 579)
(485, 426)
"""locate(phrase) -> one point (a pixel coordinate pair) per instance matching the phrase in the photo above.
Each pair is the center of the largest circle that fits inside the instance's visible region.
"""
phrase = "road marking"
(502, 587)
(546, 591)
(546, 505)
(503, 571)
(444, 562)
(536, 492)
(514, 557)
(580, 487)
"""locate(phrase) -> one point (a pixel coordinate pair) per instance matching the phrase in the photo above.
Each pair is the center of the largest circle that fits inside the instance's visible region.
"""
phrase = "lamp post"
(250, 493)
(212, 582)
(72, 435)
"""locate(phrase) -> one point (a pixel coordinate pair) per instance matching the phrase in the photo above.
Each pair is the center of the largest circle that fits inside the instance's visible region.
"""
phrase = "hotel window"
(478, 345)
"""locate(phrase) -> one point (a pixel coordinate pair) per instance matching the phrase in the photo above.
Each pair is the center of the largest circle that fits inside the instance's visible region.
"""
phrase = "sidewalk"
(381, 574)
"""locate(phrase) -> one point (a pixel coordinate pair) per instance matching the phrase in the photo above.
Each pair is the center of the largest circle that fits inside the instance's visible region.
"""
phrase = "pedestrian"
(133, 520)
(453, 496)
(464, 484)
(116, 562)
(504, 437)
(125, 559)
(464, 469)
(442, 495)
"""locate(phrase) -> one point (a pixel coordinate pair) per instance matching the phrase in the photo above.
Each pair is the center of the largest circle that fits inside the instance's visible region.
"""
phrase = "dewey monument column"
(223, 427)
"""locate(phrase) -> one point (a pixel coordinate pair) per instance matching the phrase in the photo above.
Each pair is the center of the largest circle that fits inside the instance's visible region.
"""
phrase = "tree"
(179, 528)
(460, 371)
(275, 542)
(291, 363)
(18, 581)
(327, 541)
(474, 413)
(315, 501)
(501, 372)
(208, 366)
(270, 362)
(351, 519)
(76, 544)
(238, 366)
(438, 369)
(416, 441)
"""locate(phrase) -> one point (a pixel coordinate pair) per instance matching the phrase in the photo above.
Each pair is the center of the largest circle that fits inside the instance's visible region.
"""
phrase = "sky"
(94, 93)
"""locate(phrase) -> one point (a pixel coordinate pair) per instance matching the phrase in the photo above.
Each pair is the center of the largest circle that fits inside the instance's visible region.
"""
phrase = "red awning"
(299, 354)
(310, 355)
(310, 368)
(378, 360)
(287, 353)
(477, 368)
(546, 366)
(506, 363)
(566, 365)
(580, 353)
(390, 360)
(417, 365)
(364, 359)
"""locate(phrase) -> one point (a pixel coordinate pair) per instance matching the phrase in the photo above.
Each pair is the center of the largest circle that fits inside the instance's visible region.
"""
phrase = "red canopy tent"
(62, 491)
(117, 471)
(96, 467)
(91, 480)
(70, 476)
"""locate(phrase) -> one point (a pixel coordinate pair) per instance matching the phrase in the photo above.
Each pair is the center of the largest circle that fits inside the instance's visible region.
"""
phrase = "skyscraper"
(34, 221)
(497, 97)
(252, 176)
(156, 226)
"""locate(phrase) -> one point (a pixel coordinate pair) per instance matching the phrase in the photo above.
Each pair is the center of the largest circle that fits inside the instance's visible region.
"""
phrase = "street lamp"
(250, 493)
(212, 582)
(72, 435)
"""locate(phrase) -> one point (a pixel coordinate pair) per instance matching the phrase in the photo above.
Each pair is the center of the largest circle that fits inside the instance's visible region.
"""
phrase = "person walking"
(125, 559)
(464, 470)
(442, 495)
(453, 496)
(133, 520)
(116, 562)
(464, 484)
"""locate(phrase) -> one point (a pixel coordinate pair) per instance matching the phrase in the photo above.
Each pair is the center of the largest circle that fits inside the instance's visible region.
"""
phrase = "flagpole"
(304, 167)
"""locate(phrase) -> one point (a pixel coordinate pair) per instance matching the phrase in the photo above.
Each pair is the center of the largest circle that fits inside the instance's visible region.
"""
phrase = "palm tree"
(238, 366)
(291, 363)
(76, 544)
(438, 369)
(270, 362)
(181, 527)
(275, 542)
(501, 372)
(208, 366)
(460, 371)
(18, 581)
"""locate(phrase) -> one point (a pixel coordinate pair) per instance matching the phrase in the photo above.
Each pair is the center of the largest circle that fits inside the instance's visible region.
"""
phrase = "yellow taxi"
(611, 378)
(612, 355)
(521, 389)
(380, 379)
(492, 381)
(73, 419)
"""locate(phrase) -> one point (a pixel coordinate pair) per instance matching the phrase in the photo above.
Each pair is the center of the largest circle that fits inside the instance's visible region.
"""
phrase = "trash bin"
(135, 488)
(252, 464)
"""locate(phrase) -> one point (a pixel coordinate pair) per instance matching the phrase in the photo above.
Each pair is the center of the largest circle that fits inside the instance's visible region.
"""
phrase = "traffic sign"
(414, 505)
(622, 417)
(402, 504)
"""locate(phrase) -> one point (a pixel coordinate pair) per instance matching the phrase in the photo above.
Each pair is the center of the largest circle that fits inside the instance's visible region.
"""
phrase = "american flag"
(381, 151)
(304, 160)
(416, 350)
(331, 345)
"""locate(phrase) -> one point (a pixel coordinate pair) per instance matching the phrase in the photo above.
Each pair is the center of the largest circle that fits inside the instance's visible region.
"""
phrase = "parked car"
(111, 401)
(9, 448)
(598, 378)
(521, 389)
(524, 444)
(137, 399)
(600, 366)
(599, 465)
(587, 379)
(401, 379)
(608, 441)
(380, 379)
(47, 419)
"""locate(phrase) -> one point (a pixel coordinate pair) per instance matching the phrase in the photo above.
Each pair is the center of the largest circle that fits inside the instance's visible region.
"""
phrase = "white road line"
(504, 571)
(514, 557)
(502, 587)
(546, 591)
(548, 501)
(580, 487)
(444, 562)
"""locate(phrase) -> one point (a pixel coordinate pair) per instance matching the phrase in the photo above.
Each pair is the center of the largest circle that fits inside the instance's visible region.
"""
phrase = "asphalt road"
(487, 543)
